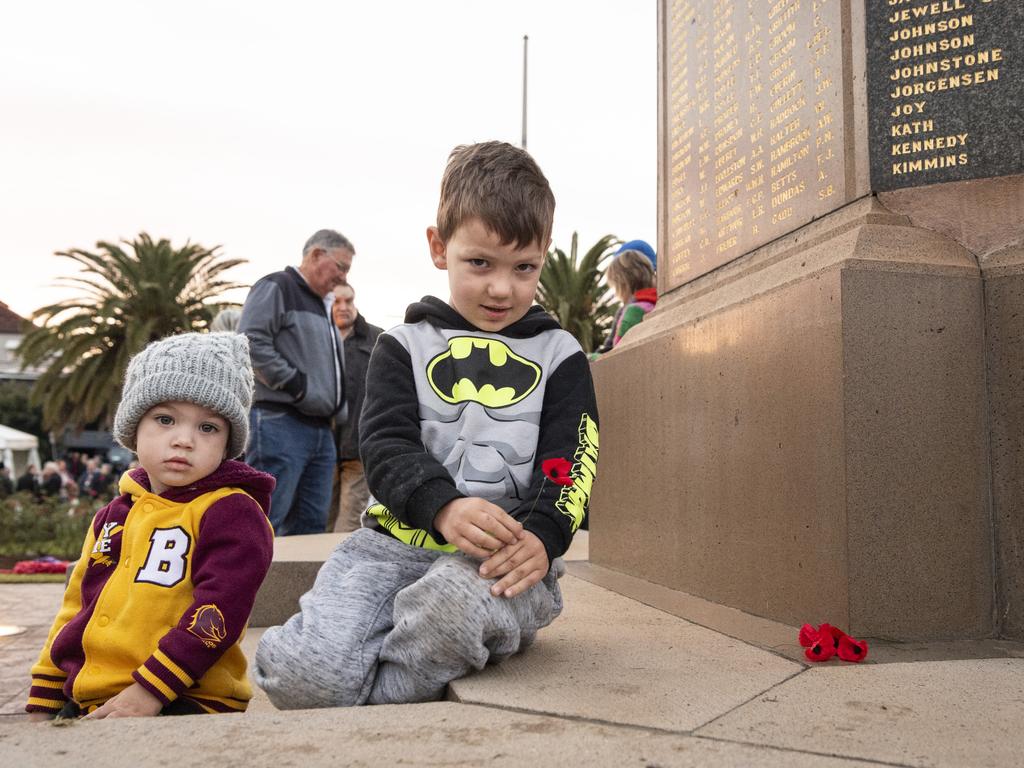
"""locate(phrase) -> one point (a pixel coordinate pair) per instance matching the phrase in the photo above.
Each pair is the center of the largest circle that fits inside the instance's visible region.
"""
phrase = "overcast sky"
(251, 125)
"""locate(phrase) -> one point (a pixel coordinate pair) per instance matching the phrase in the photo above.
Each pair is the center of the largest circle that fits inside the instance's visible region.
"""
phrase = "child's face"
(180, 443)
(492, 285)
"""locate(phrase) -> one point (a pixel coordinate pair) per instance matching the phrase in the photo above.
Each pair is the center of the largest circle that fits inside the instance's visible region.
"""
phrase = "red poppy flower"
(852, 649)
(808, 635)
(834, 633)
(823, 648)
(557, 471)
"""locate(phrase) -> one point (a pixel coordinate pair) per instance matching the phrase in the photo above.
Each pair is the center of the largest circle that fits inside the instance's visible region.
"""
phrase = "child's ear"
(438, 249)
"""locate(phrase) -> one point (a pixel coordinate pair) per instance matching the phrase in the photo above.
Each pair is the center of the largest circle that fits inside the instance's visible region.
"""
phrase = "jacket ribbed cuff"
(46, 694)
(162, 677)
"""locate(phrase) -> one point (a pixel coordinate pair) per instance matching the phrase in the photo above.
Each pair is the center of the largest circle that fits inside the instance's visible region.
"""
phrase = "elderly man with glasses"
(298, 360)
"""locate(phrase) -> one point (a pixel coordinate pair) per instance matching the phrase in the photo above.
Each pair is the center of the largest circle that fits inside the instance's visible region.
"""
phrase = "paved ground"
(632, 674)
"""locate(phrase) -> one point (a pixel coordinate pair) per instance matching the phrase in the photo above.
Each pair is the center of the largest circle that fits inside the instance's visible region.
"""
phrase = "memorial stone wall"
(822, 417)
(754, 126)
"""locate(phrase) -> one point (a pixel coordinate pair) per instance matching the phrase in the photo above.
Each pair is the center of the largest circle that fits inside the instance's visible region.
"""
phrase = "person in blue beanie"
(640, 246)
(643, 247)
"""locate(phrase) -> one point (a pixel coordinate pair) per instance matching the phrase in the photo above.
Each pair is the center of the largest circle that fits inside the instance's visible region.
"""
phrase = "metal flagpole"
(525, 41)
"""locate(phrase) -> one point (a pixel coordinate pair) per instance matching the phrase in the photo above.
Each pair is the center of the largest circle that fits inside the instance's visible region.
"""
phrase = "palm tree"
(573, 292)
(129, 300)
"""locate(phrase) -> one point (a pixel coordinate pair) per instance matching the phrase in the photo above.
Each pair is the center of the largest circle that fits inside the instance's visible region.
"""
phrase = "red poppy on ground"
(808, 635)
(833, 632)
(852, 649)
(557, 471)
(827, 641)
(822, 650)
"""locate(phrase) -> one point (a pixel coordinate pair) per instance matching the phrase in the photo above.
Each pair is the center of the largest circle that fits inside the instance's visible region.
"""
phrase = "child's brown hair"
(628, 273)
(502, 186)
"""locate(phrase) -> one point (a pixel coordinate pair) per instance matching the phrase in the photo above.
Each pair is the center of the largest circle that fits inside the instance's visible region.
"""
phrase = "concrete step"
(297, 560)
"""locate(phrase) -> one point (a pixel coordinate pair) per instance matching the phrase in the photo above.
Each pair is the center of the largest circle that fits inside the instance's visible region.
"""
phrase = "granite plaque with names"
(945, 90)
(754, 125)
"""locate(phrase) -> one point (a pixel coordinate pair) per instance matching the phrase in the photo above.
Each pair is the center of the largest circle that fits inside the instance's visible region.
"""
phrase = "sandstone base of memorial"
(802, 434)
(987, 217)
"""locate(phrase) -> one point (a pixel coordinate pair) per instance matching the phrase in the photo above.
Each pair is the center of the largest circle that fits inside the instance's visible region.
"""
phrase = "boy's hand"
(518, 566)
(476, 526)
(38, 717)
(133, 701)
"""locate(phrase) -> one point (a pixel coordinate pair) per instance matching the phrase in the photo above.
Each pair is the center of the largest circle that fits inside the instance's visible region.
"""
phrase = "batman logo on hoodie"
(482, 371)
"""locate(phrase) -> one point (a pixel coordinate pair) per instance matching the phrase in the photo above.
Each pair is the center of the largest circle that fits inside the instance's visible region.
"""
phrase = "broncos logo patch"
(482, 371)
(208, 625)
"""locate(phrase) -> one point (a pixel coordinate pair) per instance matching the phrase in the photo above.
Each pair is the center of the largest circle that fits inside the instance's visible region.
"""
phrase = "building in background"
(11, 326)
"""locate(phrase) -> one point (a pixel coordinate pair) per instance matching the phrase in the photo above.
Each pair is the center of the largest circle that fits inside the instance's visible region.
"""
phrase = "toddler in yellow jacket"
(159, 600)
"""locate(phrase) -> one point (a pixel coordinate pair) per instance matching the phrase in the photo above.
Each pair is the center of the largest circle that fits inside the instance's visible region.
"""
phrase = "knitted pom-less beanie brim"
(212, 370)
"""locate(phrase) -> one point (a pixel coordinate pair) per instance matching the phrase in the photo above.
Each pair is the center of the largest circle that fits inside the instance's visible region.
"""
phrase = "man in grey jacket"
(298, 360)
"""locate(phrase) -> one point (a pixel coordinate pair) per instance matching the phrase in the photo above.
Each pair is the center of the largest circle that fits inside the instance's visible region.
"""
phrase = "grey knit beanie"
(209, 369)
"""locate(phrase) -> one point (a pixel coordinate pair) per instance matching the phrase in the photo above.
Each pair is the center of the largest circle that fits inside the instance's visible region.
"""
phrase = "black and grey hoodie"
(453, 411)
(296, 350)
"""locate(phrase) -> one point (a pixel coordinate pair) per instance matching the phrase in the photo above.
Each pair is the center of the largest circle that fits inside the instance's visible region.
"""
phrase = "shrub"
(35, 528)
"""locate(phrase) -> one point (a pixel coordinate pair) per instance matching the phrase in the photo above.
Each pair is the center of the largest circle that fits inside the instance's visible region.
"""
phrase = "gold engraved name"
(787, 162)
(945, 65)
(928, 145)
(787, 194)
(730, 169)
(931, 9)
(929, 164)
(945, 83)
(931, 28)
(909, 129)
(786, 146)
(934, 46)
(788, 112)
(786, 32)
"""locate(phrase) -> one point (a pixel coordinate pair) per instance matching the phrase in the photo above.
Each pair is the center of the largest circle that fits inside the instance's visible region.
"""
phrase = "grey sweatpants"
(387, 623)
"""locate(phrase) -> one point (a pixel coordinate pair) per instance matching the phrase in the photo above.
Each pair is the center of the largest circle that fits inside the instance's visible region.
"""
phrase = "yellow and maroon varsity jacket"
(161, 595)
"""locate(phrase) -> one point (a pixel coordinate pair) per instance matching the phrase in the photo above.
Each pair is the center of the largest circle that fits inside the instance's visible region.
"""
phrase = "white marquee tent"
(18, 450)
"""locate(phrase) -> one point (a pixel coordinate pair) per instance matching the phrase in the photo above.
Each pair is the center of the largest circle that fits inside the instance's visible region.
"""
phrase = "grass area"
(31, 578)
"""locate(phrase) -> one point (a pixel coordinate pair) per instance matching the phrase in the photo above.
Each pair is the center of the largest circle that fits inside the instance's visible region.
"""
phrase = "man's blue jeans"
(301, 457)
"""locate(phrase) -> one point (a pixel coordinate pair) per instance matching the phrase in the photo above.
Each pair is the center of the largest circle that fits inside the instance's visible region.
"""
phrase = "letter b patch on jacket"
(167, 558)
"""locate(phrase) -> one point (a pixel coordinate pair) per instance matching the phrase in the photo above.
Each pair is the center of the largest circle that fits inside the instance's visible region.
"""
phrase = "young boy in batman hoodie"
(457, 562)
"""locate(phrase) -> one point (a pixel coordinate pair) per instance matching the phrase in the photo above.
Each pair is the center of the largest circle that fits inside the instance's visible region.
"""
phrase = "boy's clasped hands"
(483, 530)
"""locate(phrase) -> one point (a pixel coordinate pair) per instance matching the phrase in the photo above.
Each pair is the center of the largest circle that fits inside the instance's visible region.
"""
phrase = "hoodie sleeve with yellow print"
(161, 596)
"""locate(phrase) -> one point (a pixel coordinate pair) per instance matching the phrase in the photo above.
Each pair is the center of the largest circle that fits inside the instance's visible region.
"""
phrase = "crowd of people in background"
(74, 476)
